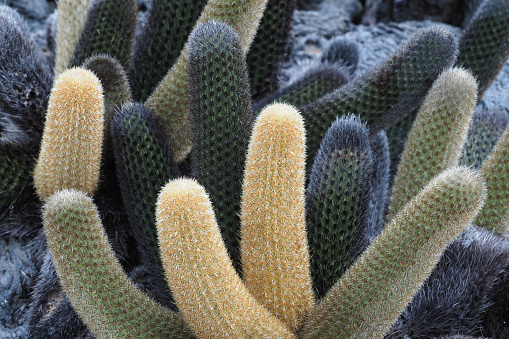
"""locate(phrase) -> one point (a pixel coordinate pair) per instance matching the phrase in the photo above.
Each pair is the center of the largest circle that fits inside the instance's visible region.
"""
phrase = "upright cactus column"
(70, 155)
(170, 99)
(371, 295)
(209, 293)
(437, 135)
(275, 256)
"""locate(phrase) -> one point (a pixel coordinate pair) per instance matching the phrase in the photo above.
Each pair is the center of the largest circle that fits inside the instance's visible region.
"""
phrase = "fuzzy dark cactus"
(270, 47)
(109, 28)
(156, 49)
(25, 80)
(385, 94)
(337, 201)
(487, 126)
(221, 121)
(144, 163)
(484, 46)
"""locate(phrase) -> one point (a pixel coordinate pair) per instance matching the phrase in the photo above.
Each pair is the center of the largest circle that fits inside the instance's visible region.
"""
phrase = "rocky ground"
(377, 26)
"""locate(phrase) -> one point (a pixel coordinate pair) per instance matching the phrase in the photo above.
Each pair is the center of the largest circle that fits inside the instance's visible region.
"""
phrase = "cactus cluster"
(184, 194)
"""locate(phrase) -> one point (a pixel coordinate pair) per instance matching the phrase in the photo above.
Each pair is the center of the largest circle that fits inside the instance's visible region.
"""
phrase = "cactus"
(26, 79)
(71, 145)
(385, 94)
(437, 135)
(484, 45)
(380, 187)
(93, 280)
(144, 164)
(487, 126)
(275, 256)
(313, 84)
(495, 170)
(371, 295)
(211, 296)
(269, 48)
(337, 201)
(221, 121)
(341, 53)
(109, 28)
(461, 289)
(72, 15)
(170, 99)
(160, 42)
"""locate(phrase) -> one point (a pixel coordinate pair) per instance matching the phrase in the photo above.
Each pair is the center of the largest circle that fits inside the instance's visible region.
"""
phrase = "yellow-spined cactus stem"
(370, 296)
(210, 295)
(70, 154)
(72, 15)
(495, 170)
(437, 135)
(93, 279)
(170, 99)
(274, 251)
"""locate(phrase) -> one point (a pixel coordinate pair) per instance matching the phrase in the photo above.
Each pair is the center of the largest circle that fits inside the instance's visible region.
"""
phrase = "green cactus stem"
(170, 99)
(209, 293)
(109, 29)
(275, 255)
(221, 121)
(161, 39)
(384, 95)
(337, 201)
(270, 47)
(371, 295)
(437, 135)
(93, 280)
(484, 45)
(495, 170)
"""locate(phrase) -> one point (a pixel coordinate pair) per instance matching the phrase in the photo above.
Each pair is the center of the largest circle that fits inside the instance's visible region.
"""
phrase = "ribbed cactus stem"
(70, 154)
(437, 136)
(170, 99)
(495, 170)
(92, 278)
(371, 295)
(72, 15)
(274, 251)
(210, 295)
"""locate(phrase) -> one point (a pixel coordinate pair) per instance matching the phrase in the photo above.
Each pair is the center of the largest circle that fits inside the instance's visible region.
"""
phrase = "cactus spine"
(337, 201)
(275, 256)
(92, 277)
(221, 118)
(71, 19)
(437, 135)
(70, 152)
(371, 295)
(385, 94)
(170, 99)
(210, 295)
(495, 170)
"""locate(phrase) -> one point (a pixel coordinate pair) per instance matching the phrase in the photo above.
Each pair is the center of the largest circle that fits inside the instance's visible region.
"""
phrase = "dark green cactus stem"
(373, 292)
(93, 280)
(385, 94)
(484, 47)
(144, 164)
(487, 126)
(16, 166)
(312, 85)
(109, 28)
(160, 42)
(397, 136)
(25, 77)
(221, 120)
(337, 200)
(269, 48)
(341, 53)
